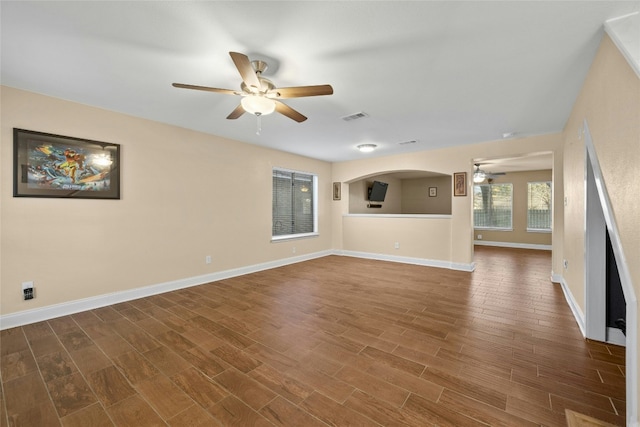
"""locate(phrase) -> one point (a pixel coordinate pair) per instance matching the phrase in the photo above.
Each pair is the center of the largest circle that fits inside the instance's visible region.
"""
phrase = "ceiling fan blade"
(206, 88)
(301, 91)
(246, 69)
(236, 113)
(285, 110)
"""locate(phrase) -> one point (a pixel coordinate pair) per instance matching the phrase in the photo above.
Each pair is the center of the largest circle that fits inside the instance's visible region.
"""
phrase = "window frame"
(314, 180)
(489, 228)
(541, 230)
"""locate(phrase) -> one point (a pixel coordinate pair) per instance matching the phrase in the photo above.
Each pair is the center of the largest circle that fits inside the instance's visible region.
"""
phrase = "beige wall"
(421, 238)
(610, 103)
(519, 234)
(358, 190)
(166, 223)
(416, 199)
(404, 196)
(459, 250)
(185, 195)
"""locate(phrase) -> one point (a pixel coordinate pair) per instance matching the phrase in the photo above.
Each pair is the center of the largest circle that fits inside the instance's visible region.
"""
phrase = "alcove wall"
(407, 193)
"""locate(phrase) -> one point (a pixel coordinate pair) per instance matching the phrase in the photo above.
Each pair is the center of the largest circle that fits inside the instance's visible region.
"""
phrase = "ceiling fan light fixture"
(479, 176)
(258, 105)
(366, 148)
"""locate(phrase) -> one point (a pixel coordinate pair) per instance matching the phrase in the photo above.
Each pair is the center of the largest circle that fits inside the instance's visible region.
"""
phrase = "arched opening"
(412, 192)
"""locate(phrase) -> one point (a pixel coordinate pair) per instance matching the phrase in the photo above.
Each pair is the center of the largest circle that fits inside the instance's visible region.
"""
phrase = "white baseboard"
(63, 309)
(410, 260)
(512, 245)
(71, 307)
(615, 336)
(573, 305)
(52, 311)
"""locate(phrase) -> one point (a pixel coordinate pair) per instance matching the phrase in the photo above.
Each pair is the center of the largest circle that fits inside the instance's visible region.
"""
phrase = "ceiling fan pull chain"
(259, 124)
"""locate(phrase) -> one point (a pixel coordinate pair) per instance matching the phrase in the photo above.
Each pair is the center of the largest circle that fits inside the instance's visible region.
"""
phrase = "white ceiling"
(440, 73)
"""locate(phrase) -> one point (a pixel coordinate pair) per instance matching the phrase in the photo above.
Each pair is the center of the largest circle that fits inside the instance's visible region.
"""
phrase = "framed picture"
(460, 184)
(433, 191)
(47, 165)
(337, 191)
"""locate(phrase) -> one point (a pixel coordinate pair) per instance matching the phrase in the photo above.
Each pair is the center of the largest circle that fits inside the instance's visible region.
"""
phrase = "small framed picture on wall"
(460, 184)
(337, 191)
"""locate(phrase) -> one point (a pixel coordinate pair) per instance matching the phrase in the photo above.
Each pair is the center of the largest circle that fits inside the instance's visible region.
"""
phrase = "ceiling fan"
(259, 95)
(479, 175)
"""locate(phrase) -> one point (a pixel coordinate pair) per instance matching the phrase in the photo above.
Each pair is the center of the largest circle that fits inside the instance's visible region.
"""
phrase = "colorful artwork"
(55, 166)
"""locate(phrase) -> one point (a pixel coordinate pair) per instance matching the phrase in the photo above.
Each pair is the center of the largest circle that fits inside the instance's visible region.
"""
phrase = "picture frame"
(57, 166)
(433, 191)
(460, 184)
(337, 191)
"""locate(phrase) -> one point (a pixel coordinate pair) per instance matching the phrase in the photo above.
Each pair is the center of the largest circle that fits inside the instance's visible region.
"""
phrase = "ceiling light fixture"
(479, 175)
(367, 148)
(258, 105)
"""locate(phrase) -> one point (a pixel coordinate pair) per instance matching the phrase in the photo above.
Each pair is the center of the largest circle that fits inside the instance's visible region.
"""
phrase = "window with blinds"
(539, 206)
(493, 206)
(294, 204)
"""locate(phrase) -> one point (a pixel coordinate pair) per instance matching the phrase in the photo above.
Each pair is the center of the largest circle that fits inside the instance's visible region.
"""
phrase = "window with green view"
(493, 206)
(539, 206)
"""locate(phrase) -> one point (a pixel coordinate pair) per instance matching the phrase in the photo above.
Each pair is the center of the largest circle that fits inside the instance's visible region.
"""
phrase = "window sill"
(286, 237)
(427, 216)
(492, 229)
(538, 230)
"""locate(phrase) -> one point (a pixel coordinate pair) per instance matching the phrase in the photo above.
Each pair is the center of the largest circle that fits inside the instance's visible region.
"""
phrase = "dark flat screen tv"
(377, 191)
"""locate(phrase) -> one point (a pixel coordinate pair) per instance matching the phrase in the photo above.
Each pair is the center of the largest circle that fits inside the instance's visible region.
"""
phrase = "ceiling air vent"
(355, 116)
(413, 141)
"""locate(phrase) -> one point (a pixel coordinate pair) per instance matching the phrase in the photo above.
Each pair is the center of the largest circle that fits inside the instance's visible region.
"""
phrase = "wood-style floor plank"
(328, 342)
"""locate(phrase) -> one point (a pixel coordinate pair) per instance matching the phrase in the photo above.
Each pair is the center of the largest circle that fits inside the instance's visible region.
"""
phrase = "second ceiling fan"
(259, 95)
(479, 175)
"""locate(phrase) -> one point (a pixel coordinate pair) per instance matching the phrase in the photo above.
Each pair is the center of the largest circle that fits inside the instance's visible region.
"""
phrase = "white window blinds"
(294, 210)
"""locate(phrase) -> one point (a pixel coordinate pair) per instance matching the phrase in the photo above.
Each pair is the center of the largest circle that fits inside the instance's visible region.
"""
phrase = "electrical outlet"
(293, 250)
(27, 291)
(565, 263)
(207, 259)
(479, 236)
(397, 245)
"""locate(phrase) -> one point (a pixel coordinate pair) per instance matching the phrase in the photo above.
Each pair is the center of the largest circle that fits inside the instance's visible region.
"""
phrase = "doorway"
(600, 220)
(603, 285)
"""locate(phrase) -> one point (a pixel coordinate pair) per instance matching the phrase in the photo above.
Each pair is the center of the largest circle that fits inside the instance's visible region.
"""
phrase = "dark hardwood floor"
(335, 341)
